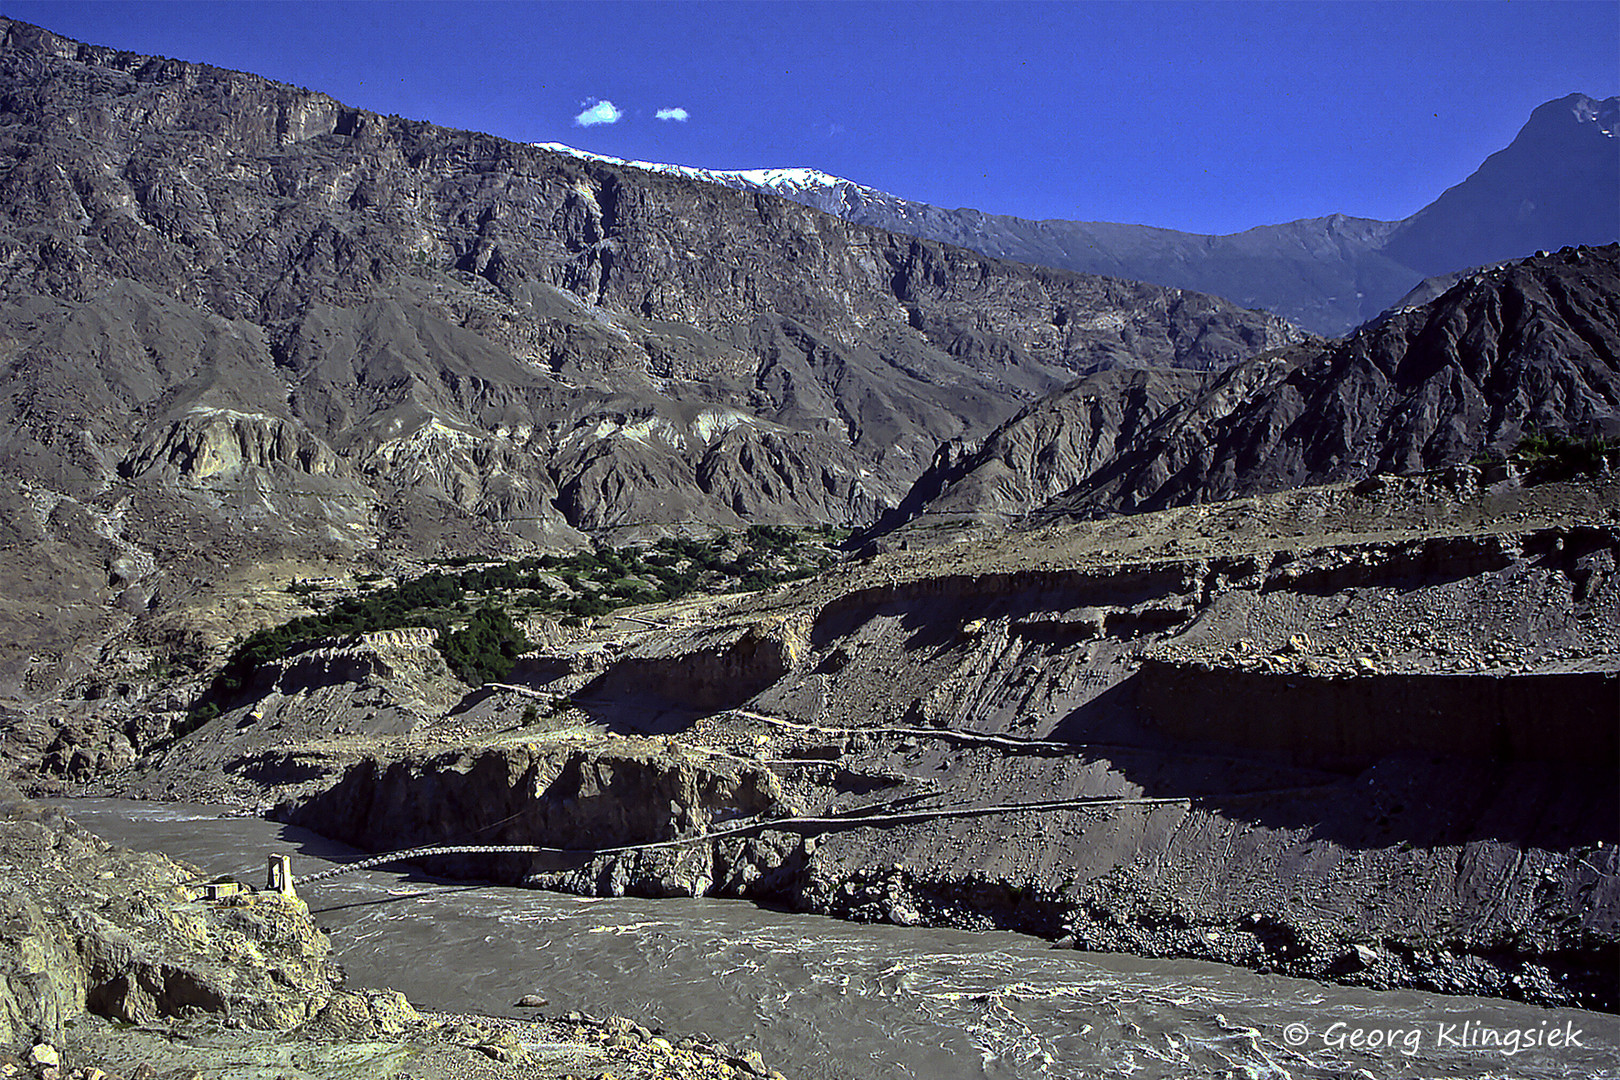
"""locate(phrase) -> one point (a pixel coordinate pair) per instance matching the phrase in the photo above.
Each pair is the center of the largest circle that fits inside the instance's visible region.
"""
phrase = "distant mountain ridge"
(1556, 184)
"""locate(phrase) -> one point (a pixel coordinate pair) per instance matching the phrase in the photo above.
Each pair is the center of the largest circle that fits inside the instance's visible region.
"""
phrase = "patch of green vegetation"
(485, 649)
(198, 715)
(1558, 457)
(771, 538)
(471, 609)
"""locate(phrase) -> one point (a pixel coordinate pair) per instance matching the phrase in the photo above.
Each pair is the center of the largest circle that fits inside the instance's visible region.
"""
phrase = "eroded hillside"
(1359, 734)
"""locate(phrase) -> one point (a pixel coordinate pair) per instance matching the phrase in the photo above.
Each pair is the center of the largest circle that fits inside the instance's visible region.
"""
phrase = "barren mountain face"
(1512, 351)
(239, 320)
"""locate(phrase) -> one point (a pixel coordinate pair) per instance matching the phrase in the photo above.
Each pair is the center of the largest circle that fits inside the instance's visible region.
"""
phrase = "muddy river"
(822, 999)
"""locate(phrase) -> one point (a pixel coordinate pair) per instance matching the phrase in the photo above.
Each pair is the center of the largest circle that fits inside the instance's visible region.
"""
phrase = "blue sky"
(1210, 117)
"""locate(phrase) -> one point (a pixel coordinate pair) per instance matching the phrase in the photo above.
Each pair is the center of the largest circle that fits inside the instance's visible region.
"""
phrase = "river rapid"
(822, 999)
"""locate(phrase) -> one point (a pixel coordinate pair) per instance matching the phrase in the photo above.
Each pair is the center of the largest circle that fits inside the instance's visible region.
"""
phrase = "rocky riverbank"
(123, 964)
(1449, 878)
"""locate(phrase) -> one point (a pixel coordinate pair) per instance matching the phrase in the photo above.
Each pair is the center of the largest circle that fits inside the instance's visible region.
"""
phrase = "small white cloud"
(598, 112)
(672, 114)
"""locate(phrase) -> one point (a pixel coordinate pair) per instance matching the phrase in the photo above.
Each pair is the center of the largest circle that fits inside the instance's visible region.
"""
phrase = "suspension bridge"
(280, 879)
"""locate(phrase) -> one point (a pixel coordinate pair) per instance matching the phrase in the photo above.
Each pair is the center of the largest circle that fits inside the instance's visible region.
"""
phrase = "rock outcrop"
(704, 669)
(124, 935)
(574, 800)
(402, 663)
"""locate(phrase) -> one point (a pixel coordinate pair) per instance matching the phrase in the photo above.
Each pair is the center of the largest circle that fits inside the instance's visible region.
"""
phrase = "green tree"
(485, 649)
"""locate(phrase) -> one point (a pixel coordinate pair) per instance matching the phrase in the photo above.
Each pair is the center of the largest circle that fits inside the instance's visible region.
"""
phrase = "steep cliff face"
(705, 669)
(1355, 721)
(575, 800)
(265, 320)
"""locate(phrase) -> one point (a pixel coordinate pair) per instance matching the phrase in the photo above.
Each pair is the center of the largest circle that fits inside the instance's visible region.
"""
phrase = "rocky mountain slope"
(242, 323)
(1510, 351)
(1046, 449)
(1557, 184)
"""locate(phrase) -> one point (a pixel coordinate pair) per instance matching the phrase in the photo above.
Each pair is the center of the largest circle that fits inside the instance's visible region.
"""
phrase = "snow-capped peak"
(795, 178)
(809, 186)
